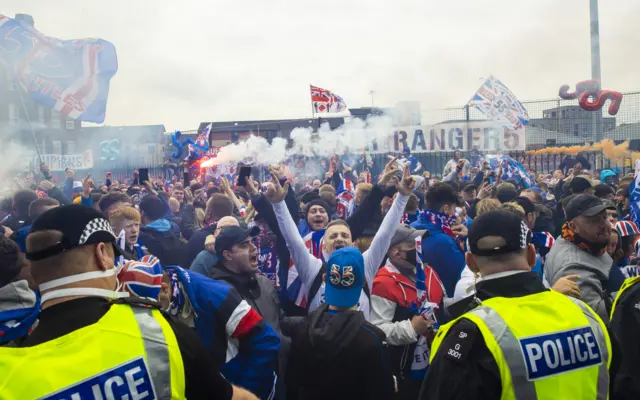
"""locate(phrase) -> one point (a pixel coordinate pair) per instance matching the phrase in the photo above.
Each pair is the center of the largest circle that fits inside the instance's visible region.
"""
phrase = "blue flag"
(511, 170)
(69, 76)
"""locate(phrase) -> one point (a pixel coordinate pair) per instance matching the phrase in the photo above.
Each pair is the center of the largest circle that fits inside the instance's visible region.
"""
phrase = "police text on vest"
(560, 352)
(129, 381)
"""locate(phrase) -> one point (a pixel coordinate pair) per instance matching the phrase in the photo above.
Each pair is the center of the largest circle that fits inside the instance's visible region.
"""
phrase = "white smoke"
(15, 158)
(353, 137)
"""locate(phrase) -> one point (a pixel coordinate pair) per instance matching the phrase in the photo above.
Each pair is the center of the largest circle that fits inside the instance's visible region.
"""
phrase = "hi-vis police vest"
(130, 353)
(629, 282)
(546, 346)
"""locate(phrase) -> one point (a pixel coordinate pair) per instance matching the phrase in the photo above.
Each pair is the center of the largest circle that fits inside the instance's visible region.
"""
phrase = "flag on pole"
(497, 102)
(68, 76)
(511, 170)
(324, 101)
(634, 195)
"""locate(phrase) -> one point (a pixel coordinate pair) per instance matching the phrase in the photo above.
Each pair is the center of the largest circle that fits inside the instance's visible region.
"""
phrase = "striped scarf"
(440, 220)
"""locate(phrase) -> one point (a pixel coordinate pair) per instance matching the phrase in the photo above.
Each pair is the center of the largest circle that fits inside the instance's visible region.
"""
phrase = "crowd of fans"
(302, 290)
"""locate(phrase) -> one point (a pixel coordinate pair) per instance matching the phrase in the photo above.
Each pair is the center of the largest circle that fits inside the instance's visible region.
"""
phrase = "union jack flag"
(325, 101)
(296, 291)
(627, 228)
(497, 102)
(69, 76)
(142, 278)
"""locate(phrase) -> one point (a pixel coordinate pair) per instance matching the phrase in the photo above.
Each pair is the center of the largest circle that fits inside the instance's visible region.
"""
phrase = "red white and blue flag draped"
(142, 278)
(295, 288)
(627, 228)
(325, 101)
(69, 76)
(634, 196)
(497, 102)
(344, 198)
(511, 170)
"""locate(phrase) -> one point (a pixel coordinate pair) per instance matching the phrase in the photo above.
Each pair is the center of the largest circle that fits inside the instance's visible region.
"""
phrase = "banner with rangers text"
(486, 136)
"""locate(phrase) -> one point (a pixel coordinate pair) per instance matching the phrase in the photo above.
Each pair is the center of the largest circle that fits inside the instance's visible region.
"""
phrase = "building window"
(71, 147)
(70, 124)
(554, 114)
(14, 117)
(40, 114)
(55, 119)
(576, 129)
(56, 147)
(563, 114)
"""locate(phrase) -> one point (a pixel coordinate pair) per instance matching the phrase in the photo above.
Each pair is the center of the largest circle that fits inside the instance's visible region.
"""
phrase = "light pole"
(372, 93)
(595, 63)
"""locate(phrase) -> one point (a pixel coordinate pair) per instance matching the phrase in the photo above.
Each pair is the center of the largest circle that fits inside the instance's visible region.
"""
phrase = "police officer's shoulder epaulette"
(138, 302)
(459, 341)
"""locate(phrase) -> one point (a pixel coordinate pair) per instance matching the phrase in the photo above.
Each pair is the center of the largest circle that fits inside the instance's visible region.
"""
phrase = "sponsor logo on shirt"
(560, 352)
(127, 381)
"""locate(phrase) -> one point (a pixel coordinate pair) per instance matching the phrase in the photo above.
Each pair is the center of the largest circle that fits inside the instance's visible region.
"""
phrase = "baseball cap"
(506, 193)
(345, 277)
(584, 204)
(467, 186)
(77, 185)
(528, 205)
(499, 223)
(80, 225)
(230, 235)
(405, 233)
(579, 184)
(603, 190)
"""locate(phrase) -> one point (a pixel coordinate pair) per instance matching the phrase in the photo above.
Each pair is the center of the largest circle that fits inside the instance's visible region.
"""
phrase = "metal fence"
(552, 123)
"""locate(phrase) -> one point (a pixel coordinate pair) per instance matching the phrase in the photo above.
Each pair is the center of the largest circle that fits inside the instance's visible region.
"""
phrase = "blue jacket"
(21, 238)
(443, 254)
(229, 327)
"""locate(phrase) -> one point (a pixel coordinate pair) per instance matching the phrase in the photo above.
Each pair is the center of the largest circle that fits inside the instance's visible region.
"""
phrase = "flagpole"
(26, 113)
(313, 112)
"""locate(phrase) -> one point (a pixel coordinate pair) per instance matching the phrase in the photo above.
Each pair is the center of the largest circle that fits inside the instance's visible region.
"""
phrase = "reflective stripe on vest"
(157, 351)
(603, 371)
(625, 285)
(512, 352)
(130, 352)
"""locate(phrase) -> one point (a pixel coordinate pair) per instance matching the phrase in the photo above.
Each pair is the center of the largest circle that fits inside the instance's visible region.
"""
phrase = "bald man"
(206, 259)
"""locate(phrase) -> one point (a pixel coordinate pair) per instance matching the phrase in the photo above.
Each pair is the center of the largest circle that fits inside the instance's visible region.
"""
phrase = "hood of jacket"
(329, 333)
(19, 308)
(246, 284)
(160, 225)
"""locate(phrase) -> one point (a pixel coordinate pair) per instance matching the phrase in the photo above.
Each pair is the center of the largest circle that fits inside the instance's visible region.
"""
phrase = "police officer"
(625, 328)
(522, 341)
(90, 345)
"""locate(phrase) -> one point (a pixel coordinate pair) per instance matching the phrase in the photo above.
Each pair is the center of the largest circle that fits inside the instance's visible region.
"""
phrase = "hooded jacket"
(338, 355)
(161, 241)
(565, 258)
(19, 309)
(257, 290)
(442, 253)
(240, 342)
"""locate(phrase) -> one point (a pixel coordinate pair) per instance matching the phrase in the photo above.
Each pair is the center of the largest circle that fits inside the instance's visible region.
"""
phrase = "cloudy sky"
(182, 62)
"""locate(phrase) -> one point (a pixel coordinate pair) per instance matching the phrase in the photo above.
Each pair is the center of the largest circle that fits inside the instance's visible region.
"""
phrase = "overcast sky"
(182, 62)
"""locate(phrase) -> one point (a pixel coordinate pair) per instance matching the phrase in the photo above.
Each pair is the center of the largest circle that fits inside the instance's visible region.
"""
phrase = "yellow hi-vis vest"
(130, 353)
(546, 346)
(625, 285)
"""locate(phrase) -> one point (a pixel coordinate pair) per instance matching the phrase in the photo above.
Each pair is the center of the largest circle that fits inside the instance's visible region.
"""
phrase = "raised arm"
(381, 241)
(306, 264)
